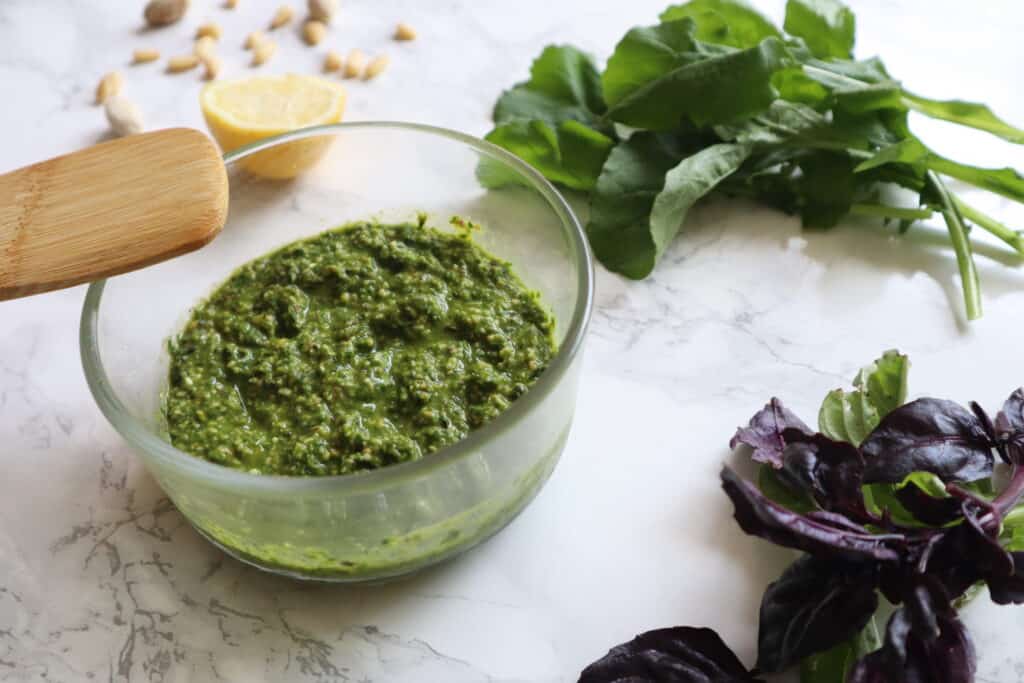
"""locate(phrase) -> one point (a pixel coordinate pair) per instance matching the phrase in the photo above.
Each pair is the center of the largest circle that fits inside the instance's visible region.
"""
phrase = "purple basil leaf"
(764, 433)
(987, 553)
(951, 561)
(1009, 427)
(929, 435)
(815, 605)
(823, 534)
(831, 471)
(925, 642)
(1005, 590)
(959, 557)
(670, 655)
(926, 508)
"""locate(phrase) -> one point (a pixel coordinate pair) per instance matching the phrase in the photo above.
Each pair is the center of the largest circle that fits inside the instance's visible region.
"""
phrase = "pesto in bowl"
(361, 347)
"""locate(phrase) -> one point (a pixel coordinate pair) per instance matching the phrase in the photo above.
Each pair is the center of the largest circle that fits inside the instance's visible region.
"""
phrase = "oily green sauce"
(362, 347)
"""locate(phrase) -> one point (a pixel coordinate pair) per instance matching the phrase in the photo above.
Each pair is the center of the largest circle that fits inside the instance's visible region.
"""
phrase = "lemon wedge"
(243, 111)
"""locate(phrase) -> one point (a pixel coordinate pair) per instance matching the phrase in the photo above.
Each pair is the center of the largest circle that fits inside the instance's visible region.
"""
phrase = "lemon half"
(243, 111)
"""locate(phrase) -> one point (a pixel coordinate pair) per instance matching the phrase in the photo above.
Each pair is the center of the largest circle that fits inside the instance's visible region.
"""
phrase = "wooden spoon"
(111, 208)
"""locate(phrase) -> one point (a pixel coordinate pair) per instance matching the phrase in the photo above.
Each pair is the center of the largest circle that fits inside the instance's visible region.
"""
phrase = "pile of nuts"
(125, 118)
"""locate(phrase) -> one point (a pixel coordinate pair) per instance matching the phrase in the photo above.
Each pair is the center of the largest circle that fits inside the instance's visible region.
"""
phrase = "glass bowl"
(399, 519)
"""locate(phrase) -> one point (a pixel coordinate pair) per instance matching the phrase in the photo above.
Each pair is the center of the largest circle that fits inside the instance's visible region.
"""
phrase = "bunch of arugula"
(717, 100)
(888, 498)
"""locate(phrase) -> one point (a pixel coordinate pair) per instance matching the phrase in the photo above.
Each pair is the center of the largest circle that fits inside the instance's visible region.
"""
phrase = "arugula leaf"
(834, 666)
(870, 130)
(848, 75)
(827, 26)
(826, 187)
(880, 388)
(571, 155)
(564, 85)
(971, 114)
(780, 123)
(796, 86)
(643, 194)
(724, 22)
(1004, 181)
(826, 133)
(660, 75)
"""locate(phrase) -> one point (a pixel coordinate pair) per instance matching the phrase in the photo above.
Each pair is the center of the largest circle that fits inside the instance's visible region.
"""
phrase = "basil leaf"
(924, 495)
(815, 605)
(661, 75)
(643, 194)
(927, 482)
(834, 666)
(571, 154)
(831, 471)
(778, 491)
(880, 388)
(971, 114)
(564, 85)
(882, 499)
(827, 26)
(823, 533)
(924, 641)
(682, 654)
(1009, 426)
(1008, 590)
(724, 22)
(928, 435)
(1004, 181)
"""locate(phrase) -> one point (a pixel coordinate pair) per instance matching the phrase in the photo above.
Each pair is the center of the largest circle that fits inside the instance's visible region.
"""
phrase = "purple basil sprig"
(854, 550)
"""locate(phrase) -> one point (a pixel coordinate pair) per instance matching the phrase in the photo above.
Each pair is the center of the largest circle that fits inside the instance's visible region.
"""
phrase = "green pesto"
(361, 347)
(395, 555)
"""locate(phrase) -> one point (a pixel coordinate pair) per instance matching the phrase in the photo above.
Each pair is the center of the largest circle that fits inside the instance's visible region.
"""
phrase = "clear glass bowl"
(401, 518)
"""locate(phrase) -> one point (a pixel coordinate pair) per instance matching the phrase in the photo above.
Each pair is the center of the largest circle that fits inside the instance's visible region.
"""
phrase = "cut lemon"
(244, 111)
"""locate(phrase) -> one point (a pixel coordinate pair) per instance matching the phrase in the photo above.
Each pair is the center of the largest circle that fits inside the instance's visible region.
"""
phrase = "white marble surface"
(101, 579)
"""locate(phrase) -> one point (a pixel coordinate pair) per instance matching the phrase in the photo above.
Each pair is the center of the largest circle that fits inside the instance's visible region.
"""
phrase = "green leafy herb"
(571, 154)
(827, 26)
(970, 114)
(724, 22)
(835, 665)
(717, 101)
(564, 84)
(660, 76)
(880, 388)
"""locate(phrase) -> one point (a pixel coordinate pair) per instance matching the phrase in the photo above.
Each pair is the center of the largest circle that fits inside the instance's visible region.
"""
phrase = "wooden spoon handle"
(109, 209)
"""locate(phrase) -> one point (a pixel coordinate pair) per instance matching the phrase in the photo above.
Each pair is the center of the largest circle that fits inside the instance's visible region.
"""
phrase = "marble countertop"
(102, 579)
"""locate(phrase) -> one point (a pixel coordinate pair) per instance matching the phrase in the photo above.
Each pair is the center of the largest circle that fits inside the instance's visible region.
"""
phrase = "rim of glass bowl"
(139, 436)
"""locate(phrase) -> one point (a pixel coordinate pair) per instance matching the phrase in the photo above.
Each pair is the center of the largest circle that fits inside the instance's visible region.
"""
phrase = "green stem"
(961, 245)
(886, 211)
(827, 74)
(1014, 238)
